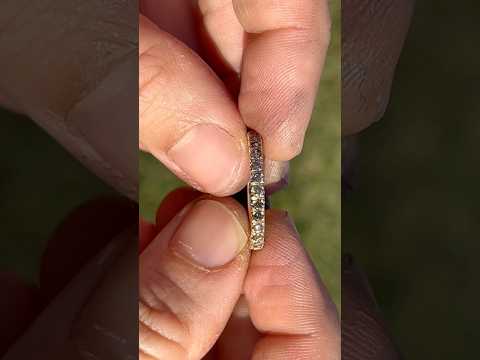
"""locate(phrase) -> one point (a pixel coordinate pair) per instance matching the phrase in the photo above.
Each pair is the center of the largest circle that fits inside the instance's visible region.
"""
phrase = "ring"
(256, 191)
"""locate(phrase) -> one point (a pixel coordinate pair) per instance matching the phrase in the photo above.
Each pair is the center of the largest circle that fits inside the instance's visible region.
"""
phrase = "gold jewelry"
(256, 191)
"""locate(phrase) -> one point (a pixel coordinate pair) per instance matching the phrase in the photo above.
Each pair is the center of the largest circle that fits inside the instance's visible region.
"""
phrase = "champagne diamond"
(257, 214)
(256, 176)
(258, 228)
(256, 192)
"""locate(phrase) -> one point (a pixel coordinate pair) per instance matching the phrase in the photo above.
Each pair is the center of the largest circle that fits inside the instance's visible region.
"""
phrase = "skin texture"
(373, 33)
(272, 114)
(269, 58)
(289, 41)
(294, 320)
(261, 72)
(274, 298)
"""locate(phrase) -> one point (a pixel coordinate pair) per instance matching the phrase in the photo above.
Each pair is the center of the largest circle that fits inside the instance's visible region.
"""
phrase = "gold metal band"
(256, 191)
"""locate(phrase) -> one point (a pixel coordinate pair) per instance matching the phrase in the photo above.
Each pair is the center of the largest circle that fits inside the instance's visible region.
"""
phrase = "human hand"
(203, 294)
(239, 64)
(365, 335)
(269, 54)
(372, 39)
(87, 276)
(71, 67)
(198, 294)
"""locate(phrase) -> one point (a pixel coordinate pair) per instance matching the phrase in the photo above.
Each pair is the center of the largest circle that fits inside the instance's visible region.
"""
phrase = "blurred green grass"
(313, 195)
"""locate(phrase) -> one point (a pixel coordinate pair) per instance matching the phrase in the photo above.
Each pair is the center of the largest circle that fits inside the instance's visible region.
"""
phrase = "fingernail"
(210, 235)
(209, 156)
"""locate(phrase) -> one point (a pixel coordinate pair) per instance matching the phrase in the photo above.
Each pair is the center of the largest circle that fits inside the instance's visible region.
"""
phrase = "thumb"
(81, 97)
(191, 276)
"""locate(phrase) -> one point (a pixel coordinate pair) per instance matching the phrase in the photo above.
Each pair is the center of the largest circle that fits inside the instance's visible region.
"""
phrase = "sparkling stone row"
(257, 208)
(256, 192)
(256, 158)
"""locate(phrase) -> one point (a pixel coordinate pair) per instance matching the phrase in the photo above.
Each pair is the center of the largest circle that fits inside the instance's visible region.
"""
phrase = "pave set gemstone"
(256, 192)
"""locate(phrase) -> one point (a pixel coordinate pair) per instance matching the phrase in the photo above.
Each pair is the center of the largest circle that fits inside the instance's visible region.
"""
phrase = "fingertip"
(281, 126)
(281, 70)
(237, 210)
(281, 113)
(173, 203)
(209, 156)
(233, 171)
(282, 287)
(282, 241)
(191, 275)
(194, 128)
(212, 234)
(284, 145)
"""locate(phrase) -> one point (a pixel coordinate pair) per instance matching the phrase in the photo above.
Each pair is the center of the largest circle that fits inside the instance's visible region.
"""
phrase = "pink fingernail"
(209, 156)
(210, 235)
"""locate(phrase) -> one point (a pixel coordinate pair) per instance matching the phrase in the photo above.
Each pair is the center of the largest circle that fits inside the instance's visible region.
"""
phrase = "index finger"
(287, 302)
(286, 46)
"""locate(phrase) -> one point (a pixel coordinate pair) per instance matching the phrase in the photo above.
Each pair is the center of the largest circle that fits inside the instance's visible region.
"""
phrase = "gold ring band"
(256, 191)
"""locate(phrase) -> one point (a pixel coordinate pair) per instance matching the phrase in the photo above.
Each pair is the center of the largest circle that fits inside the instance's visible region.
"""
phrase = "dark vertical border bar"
(410, 212)
(69, 179)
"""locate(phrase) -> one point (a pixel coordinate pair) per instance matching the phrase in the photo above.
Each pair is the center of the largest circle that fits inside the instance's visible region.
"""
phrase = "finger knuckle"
(158, 333)
(157, 311)
(154, 74)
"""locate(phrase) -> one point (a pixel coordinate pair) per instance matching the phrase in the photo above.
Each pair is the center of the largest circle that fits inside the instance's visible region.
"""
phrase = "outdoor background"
(40, 183)
(414, 218)
(313, 195)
